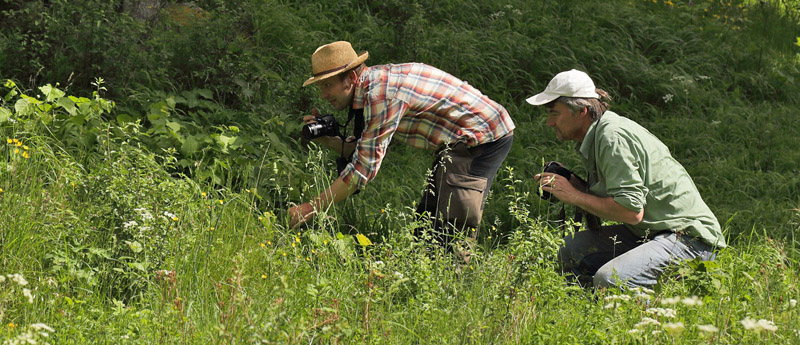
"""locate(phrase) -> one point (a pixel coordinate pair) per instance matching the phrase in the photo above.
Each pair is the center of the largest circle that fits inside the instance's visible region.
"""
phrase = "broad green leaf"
(190, 146)
(67, 104)
(174, 126)
(5, 114)
(51, 93)
(205, 93)
(225, 140)
(135, 246)
(125, 118)
(363, 240)
(21, 107)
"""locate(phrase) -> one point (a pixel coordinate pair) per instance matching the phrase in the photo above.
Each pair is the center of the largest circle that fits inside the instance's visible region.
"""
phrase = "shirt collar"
(585, 147)
(359, 98)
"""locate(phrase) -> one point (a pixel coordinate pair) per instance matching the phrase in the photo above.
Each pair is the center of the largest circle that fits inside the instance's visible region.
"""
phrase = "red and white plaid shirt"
(423, 106)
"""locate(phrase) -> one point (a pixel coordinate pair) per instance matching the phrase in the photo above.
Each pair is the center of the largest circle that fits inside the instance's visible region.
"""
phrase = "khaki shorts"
(461, 178)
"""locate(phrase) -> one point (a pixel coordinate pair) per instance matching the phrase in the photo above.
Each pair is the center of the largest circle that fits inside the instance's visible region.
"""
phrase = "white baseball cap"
(572, 83)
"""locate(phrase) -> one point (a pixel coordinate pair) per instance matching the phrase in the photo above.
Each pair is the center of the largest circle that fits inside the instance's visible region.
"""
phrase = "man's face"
(566, 124)
(337, 91)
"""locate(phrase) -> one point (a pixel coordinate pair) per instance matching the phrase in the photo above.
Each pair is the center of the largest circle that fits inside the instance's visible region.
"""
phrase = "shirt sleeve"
(382, 118)
(621, 162)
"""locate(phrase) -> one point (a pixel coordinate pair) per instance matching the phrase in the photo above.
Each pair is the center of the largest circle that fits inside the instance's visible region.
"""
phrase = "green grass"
(174, 230)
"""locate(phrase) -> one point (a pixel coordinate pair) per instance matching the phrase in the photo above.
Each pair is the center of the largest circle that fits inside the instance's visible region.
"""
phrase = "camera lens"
(313, 130)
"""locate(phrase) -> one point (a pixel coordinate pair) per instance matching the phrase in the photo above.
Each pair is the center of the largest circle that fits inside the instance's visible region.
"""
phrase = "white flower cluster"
(692, 301)
(33, 335)
(707, 328)
(758, 326)
(665, 312)
(17, 278)
(674, 329)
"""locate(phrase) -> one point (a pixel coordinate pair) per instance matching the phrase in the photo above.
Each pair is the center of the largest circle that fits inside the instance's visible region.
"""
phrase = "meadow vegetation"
(146, 165)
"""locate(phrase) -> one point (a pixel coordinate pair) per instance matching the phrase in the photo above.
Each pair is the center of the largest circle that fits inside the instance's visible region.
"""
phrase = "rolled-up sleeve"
(623, 172)
(382, 118)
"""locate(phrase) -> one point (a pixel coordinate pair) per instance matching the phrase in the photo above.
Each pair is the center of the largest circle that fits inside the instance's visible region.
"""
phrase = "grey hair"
(596, 106)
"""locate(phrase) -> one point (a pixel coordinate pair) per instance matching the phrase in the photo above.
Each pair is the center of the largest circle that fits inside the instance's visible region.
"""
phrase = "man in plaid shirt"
(425, 107)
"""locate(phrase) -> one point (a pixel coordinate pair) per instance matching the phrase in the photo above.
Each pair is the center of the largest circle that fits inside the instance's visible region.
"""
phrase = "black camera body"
(325, 125)
(555, 168)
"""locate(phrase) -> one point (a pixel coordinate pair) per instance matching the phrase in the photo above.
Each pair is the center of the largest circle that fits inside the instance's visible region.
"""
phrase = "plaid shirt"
(423, 106)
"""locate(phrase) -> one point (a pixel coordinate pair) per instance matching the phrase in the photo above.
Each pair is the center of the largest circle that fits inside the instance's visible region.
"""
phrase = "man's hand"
(301, 214)
(557, 185)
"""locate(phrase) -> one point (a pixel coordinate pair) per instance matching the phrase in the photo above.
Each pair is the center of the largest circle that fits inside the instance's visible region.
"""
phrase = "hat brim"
(542, 98)
(361, 58)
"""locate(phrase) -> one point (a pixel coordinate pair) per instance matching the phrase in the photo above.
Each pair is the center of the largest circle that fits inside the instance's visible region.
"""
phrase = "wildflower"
(674, 329)
(308, 258)
(293, 245)
(25, 147)
(792, 302)
(204, 194)
(17, 143)
(668, 97)
(263, 245)
(263, 276)
(284, 253)
(41, 326)
(665, 312)
(169, 215)
(221, 202)
(26, 155)
(297, 239)
(1, 190)
(269, 243)
(27, 293)
(644, 290)
(12, 325)
(646, 321)
(260, 218)
(618, 297)
(758, 326)
(707, 328)
(325, 242)
(130, 224)
(2, 279)
(9, 141)
(635, 331)
(383, 210)
(692, 301)
(18, 278)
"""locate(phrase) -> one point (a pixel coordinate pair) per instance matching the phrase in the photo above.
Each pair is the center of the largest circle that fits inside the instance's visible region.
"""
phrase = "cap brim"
(361, 58)
(542, 98)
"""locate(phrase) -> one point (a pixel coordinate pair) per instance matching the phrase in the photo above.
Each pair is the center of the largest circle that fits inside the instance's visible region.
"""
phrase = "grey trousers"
(614, 256)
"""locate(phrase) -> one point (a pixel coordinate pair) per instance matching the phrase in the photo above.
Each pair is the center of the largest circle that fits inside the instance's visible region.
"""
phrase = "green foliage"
(158, 217)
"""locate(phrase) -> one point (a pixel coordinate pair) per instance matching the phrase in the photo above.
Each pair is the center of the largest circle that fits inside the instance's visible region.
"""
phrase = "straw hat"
(332, 59)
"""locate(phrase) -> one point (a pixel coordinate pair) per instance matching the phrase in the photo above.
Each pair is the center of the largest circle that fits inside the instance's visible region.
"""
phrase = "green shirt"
(625, 161)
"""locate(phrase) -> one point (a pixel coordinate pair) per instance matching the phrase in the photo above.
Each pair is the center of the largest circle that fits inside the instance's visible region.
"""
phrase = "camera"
(325, 125)
(556, 168)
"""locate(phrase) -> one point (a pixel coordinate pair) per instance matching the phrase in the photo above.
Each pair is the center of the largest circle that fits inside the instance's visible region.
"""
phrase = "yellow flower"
(26, 155)
(18, 143)
(284, 253)
(25, 147)
(263, 245)
(308, 258)
(297, 239)
(383, 210)
(211, 229)
(9, 141)
(293, 245)
(16, 151)
(204, 194)
(263, 276)
(1, 190)
(221, 202)
(260, 218)
(12, 325)
(269, 243)
(325, 242)
(175, 218)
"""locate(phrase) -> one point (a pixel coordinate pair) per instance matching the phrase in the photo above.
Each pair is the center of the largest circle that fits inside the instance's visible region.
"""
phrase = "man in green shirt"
(633, 180)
